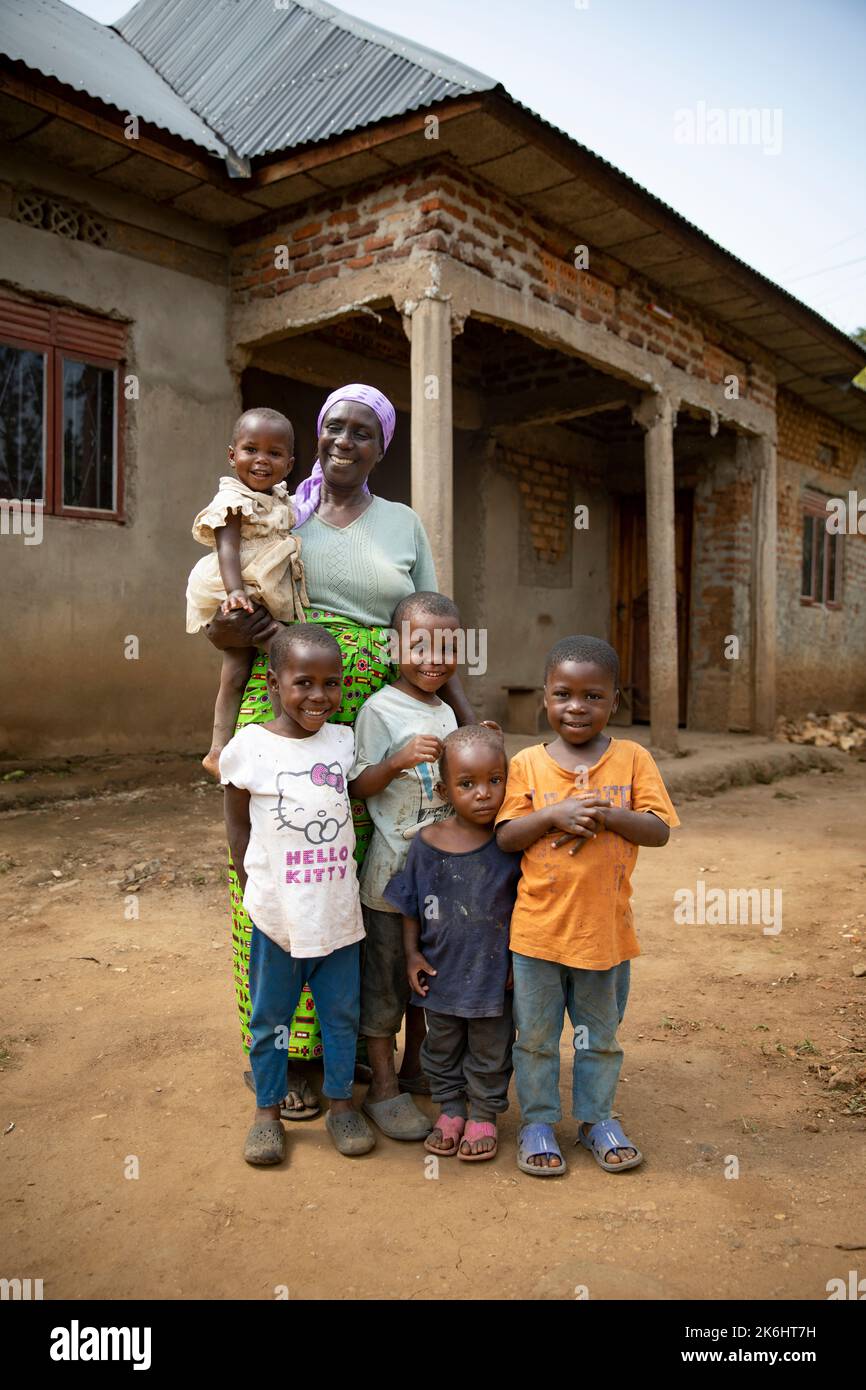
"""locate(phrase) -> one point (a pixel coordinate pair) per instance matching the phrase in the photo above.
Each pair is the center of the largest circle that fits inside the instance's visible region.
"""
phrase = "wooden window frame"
(59, 335)
(830, 450)
(813, 506)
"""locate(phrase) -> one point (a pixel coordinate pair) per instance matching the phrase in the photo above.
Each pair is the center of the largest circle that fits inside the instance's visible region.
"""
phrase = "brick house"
(606, 422)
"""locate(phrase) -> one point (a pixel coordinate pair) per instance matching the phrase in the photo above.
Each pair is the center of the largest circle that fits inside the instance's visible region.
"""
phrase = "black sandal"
(304, 1112)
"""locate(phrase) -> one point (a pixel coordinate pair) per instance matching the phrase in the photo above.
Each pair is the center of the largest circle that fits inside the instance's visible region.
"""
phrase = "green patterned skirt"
(366, 669)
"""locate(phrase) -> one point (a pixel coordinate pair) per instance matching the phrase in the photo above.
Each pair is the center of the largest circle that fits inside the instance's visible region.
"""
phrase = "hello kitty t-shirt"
(302, 883)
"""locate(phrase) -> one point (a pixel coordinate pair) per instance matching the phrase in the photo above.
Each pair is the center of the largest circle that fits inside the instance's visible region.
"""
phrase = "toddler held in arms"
(255, 558)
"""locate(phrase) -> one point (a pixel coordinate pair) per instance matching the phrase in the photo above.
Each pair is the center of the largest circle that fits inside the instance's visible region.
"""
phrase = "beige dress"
(270, 555)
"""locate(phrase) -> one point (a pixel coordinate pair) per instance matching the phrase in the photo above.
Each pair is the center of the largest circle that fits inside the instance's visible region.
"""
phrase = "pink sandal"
(450, 1127)
(479, 1129)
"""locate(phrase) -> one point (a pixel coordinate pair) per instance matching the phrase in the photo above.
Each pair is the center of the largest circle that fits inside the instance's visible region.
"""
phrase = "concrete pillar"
(656, 416)
(432, 438)
(763, 450)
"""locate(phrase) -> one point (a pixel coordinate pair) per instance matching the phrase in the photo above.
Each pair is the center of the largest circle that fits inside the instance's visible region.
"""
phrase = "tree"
(859, 336)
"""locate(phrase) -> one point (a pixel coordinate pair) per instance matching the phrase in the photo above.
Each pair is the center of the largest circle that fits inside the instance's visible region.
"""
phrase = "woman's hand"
(492, 724)
(242, 629)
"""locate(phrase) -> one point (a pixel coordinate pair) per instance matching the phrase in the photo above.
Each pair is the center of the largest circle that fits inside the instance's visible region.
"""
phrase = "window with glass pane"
(833, 544)
(806, 588)
(821, 576)
(88, 436)
(820, 541)
(22, 423)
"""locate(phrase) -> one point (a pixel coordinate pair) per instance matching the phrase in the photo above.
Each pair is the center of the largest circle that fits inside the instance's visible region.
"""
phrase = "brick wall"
(803, 431)
(438, 209)
(545, 504)
(720, 686)
(820, 650)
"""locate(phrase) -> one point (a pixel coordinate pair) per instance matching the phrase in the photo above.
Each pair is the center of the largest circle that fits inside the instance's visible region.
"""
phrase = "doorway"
(630, 591)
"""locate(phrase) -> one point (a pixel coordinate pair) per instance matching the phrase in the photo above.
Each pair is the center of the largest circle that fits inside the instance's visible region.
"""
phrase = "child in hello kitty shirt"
(291, 837)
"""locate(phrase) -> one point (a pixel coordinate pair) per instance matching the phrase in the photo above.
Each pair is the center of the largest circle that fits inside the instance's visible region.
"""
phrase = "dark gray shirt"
(463, 903)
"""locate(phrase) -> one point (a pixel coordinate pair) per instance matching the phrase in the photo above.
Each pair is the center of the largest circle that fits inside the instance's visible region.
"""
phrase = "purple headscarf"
(309, 493)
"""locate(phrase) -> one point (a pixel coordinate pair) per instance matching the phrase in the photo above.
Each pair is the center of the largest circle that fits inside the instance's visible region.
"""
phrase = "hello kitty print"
(314, 803)
(302, 888)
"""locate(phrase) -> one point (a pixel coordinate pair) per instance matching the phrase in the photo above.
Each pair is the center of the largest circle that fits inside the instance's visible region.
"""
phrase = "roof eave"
(594, 168)
(56, 98)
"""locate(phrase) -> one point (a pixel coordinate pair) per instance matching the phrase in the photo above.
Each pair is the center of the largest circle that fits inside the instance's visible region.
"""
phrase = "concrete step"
(707, 764)
(710, 763)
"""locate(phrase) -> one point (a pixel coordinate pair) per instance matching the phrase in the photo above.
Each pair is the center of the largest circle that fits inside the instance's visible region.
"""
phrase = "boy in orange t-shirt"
(578, 808)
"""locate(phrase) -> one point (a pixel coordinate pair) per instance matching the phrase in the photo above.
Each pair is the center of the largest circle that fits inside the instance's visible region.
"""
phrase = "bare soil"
(120, 1053)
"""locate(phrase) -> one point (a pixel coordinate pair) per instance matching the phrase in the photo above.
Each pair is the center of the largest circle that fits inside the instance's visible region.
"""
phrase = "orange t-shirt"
(576, 909)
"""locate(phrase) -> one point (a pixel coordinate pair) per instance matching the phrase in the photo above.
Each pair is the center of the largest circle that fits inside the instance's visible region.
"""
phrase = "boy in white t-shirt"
(399, 734)
(291, 837)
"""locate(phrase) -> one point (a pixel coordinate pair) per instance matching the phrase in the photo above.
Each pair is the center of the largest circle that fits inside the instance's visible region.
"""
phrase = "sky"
(649, 84)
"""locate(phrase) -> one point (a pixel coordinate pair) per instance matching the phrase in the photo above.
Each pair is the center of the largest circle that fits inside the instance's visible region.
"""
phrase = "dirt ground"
(120, 1042)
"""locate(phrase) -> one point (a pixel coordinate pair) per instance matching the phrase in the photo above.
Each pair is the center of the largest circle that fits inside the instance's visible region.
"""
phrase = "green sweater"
(363, 570)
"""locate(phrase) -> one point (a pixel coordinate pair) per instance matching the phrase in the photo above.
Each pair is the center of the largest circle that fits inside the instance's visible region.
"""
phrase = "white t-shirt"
(302, 882)
(385, 723)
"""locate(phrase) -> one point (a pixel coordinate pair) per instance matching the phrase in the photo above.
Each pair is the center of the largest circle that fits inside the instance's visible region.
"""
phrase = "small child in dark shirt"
(456, 894)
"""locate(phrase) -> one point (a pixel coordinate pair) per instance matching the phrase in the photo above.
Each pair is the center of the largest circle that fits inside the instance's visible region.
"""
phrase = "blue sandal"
(534, 1140)
(607, 1135)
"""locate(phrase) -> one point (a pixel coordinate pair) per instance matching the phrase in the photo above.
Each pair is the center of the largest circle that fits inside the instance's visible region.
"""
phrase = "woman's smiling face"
(350, 444)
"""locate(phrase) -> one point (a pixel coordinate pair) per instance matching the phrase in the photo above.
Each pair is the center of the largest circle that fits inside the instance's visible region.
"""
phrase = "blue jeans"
(596, 999)
(276, 981)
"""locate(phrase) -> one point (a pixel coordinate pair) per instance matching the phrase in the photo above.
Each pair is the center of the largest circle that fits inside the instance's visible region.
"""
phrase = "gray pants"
(469, 1059)
(384, 983)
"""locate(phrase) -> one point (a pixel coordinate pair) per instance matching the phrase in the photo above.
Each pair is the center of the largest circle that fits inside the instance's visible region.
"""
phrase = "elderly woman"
(361, 555)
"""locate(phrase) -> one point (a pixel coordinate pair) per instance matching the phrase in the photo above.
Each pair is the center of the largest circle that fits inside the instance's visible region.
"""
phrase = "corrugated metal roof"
(271, 78)
(58, 41)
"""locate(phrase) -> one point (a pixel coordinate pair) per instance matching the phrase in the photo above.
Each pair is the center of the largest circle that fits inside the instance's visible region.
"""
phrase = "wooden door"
(630, 590)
